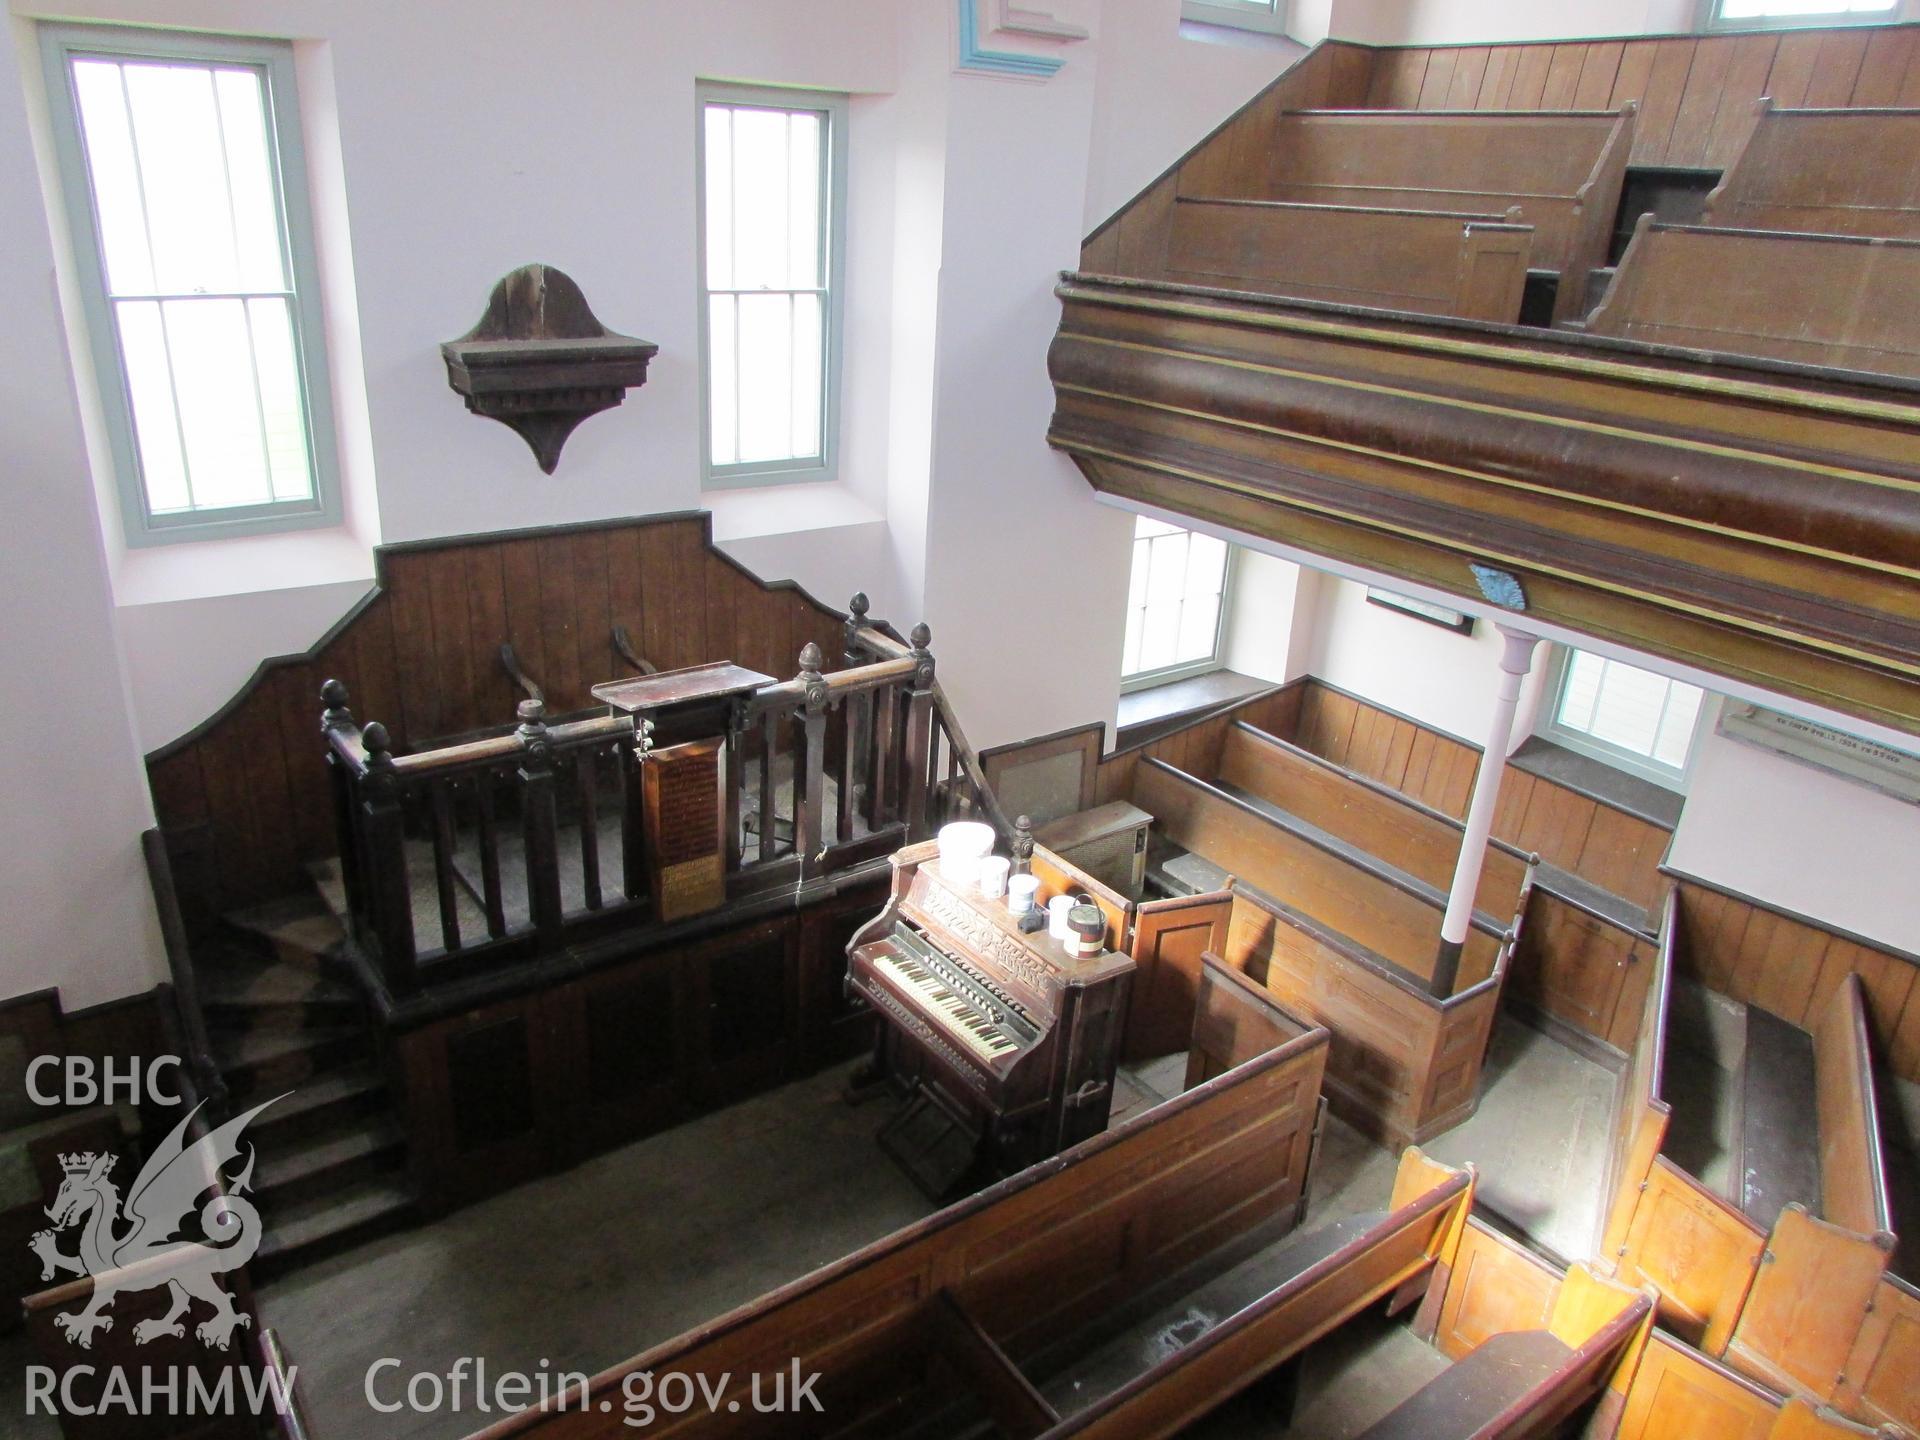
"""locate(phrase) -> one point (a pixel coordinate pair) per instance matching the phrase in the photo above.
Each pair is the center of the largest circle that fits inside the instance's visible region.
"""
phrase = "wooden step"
(328, 1162)
(263, 1062)
(322, 1104)
(242, 991)
(327, 1224)
(301, 929)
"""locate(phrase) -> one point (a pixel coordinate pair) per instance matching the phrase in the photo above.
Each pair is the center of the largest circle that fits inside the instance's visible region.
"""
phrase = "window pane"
(255, 213)
(808, 352)
(156, 423)
(803, 201)
(722, 372)
(278, 366)
(1582, 690)
(1676, 731)
(176, 130)
(1199, 625)
(219, 412)
(1206, 566)
(1130, 652)
(719, 187)
(115, 175)
(1167, 568)
(760, 188)
(1159, 635)
(766, 377)
(1764, 9)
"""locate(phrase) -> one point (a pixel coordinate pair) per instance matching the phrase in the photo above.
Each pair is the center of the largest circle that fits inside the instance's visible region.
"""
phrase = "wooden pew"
(1830, 172)
(1680, 1394)
(943, 1351)
(1379, 819)
(1427, 262)
(1404, 1065)
(1779, 1276)
(1373, 906)
(1527, 1382)
(1835, 300)
(951, 1314)
(1562, 168)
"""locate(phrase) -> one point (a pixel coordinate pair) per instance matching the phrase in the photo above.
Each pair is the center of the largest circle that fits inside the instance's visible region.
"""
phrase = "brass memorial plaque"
(685, 862)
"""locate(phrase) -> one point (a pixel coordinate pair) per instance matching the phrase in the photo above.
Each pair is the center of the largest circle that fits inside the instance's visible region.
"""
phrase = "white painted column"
(1515, 662)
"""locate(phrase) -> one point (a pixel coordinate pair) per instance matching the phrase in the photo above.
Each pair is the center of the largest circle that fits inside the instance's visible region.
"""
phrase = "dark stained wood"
(242, 798)
(1827, 171)
(713, 681)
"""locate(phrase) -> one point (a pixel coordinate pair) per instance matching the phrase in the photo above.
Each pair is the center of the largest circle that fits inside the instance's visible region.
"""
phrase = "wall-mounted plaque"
(1892, 772)
(686, 864)
(1444, 616)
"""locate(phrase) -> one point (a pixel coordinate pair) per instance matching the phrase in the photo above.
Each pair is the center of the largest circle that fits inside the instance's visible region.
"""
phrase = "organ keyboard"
(1008, 1034)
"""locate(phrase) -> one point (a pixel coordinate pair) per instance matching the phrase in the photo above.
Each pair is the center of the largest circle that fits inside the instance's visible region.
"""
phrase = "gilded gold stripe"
(1906, 414)
(1665, 602)
(1507, 412)
(1907, 572)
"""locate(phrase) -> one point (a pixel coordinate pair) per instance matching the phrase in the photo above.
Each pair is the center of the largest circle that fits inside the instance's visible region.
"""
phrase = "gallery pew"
(1428, 262)
(1841, 301)
(1778, 1275)
(1374, 906)
(941, 1326)
(1829, 172)
(1404, 1065)
(1564, 170)
(1379, 819)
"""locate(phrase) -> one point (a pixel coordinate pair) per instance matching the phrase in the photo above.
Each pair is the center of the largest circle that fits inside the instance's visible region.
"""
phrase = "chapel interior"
(1003, 718)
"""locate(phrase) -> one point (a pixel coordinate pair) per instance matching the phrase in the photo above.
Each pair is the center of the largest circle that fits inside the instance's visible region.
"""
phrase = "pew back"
(1366, 906)
(1403, 1066)
(1426, 262)
(1833, 300)
(1564, 169)
(1234, 1020)
(1853, 1169)
(1035, 1256)
(1832, 172)
(1641, 1115)
(1377, 818)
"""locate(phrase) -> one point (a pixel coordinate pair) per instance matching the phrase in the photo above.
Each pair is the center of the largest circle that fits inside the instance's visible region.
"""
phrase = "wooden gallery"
(961, 718)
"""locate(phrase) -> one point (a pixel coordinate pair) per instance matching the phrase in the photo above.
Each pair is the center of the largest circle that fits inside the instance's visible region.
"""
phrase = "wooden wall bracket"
(541, 362)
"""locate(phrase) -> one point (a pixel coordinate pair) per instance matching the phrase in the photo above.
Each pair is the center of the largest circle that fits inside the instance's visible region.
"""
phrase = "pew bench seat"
(1774, 1166)
(1458, 1400)
(1147, 1335)
(1173, 870)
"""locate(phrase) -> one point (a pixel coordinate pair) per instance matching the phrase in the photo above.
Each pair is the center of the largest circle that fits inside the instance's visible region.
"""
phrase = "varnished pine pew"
(1829, 172)
(1404, 1066)
(1425, 262)
(947, 1317)
(1563, 168)
(1371, 905)
(1523, 1383)
(1377, 818)
(1680, 1394)
(1833, 300)
(1779, 1276)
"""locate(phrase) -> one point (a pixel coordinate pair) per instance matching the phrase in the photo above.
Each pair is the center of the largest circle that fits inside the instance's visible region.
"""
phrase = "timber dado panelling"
(1695, 93)
(243, 799)
(1620, 853)
(1791, 966)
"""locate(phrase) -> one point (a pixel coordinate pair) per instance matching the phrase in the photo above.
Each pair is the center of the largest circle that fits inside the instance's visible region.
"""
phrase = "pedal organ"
(1005, 1032)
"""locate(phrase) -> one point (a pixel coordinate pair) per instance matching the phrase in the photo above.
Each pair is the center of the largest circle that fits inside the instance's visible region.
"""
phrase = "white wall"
(73, 799)
(1803, 839)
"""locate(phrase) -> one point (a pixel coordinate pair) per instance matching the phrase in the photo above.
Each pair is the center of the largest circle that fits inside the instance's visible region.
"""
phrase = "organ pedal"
(933, 1143)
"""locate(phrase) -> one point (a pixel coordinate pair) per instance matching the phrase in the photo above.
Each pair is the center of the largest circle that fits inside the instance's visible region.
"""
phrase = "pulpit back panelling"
(242, 799)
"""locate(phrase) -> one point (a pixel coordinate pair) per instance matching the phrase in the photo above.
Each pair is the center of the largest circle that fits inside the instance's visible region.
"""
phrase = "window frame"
(1216, 658)
(1618, 757)
(60, 45)
(1712, 22)
(1237, 17)
(833, 223)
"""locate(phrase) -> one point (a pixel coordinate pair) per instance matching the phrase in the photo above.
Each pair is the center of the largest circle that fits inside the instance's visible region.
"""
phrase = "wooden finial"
(378, 745)
(532, 712)
(921, 639)
(333, 695)
(810, 677)
(1022, 845)
(810, 659)
(858, 606)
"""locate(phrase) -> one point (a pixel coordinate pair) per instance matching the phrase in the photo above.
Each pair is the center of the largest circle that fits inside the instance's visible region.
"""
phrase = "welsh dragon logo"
(151, 1250)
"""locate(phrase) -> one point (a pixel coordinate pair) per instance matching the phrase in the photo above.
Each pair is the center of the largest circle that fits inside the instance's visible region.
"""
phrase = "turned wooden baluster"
(857, 738)
(918, 747)
(389, 895)
(341, 782)
(633, 830)
(540, 821)
(810, 764)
